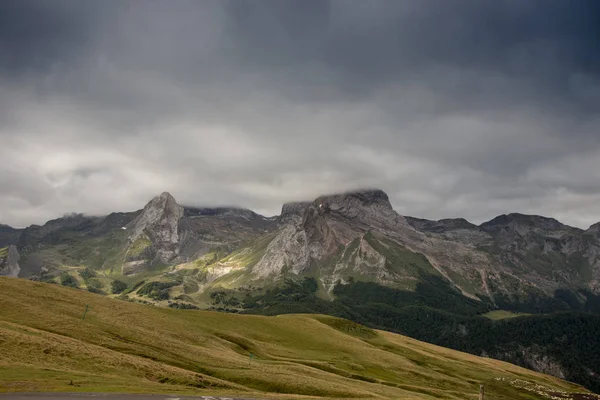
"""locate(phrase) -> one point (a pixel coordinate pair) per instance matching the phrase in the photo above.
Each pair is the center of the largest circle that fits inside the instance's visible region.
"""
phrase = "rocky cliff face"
(159, 223)
(353, 234)
(533, 251)
(9, 261)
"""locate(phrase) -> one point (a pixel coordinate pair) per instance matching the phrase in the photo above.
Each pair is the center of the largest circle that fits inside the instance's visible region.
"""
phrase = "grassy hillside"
(126, 347)
(562, 344)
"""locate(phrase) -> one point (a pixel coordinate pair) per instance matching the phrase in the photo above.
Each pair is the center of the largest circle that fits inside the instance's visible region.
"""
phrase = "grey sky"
(454, 108)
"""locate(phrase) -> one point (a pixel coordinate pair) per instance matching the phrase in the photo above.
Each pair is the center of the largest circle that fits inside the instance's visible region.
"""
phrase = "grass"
(403, 262)
(502, 314)
(126, 347)
(138, 246)
(250, 254)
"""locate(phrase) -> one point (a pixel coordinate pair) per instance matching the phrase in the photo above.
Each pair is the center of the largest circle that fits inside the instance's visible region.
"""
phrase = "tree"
(118, 286)
(87, 273)
(68, 280)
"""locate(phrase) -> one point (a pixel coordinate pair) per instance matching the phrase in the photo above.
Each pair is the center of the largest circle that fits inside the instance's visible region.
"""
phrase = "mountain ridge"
(479, 260)
(594, 227)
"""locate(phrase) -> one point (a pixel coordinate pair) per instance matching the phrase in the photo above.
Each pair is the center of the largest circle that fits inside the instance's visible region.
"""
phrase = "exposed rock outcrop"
(159, 220)
(312, 233)
(293, 212)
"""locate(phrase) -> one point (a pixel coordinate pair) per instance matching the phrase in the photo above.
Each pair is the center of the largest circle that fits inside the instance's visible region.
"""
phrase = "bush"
(184, 306)
(87, 273)
(68, 280)
(118, 286)
(157, 290)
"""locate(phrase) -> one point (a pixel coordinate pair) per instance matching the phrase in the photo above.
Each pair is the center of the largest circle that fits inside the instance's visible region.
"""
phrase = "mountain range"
(513, 260)
(348, 255)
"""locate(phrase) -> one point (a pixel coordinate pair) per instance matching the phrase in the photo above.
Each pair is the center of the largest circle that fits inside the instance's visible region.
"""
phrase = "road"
(107, 396)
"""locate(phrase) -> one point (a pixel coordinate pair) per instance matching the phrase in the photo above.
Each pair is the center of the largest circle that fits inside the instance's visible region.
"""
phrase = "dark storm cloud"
(372, 43)
(455, 108)
(35, 34)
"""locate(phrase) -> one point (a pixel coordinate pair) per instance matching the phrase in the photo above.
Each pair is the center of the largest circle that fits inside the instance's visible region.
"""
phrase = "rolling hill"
(47, 345)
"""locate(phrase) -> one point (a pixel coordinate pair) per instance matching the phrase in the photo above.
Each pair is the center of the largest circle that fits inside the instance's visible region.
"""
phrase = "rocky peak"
(159, 220)
(355, 199)
(364, 206)
(293, 212)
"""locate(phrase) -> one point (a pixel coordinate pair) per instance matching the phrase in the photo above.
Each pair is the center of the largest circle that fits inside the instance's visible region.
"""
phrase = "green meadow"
(120, 346)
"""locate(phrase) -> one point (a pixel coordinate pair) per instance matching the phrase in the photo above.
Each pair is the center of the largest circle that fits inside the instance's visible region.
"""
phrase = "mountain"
(9, 235)
(163, 233)
(513, 261)
(48, 345)
(349, 255)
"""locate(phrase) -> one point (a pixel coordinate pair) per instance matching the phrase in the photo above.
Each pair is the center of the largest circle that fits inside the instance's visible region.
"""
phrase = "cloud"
(455, 108)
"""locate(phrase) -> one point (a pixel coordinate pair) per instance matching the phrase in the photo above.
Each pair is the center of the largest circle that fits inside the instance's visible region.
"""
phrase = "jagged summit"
(161, 207)
(159, 221)
(164, 196)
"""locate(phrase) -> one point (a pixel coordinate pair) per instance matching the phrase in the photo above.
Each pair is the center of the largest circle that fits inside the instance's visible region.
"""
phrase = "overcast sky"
(454, 108)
